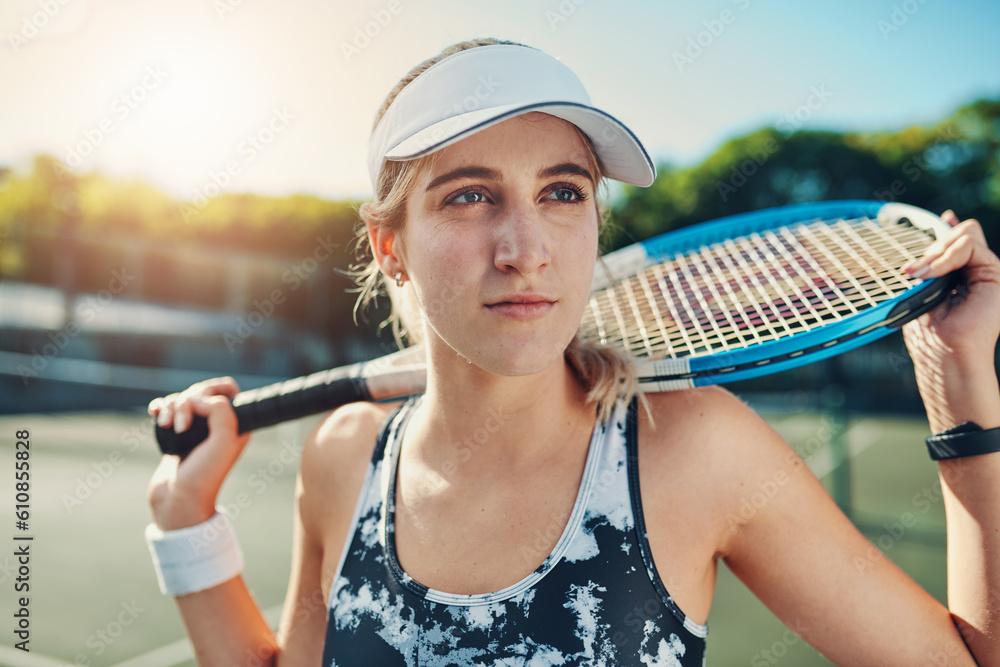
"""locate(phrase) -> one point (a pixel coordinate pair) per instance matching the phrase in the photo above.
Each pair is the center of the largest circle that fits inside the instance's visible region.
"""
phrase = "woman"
(523, 510)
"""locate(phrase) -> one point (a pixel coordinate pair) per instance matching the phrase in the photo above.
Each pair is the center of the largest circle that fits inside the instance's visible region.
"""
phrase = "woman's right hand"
(183, 493)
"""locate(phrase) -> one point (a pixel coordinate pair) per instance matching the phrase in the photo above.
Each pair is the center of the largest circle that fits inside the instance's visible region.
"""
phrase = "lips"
(522, 298)
(522, 306)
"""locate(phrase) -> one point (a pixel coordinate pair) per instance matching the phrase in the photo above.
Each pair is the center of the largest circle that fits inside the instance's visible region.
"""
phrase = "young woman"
(524, 510)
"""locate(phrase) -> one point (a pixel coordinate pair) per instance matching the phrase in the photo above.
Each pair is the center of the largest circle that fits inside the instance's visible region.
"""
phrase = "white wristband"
(195, 558)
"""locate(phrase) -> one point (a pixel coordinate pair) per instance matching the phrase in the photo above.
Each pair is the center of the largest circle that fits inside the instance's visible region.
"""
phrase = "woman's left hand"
(953, 346)
(968, 322)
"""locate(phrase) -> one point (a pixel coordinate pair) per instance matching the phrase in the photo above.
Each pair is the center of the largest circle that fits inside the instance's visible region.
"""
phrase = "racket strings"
(756, 288)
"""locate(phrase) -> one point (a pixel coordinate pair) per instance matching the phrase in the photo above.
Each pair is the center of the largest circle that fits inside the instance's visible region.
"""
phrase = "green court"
(94, 599)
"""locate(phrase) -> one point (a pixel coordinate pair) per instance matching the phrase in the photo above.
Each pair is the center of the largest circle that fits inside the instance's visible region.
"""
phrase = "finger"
(165, 415)
(210, 406)
(217, 410)
(969, 229)
(184, 406)
(950, 217)
(182, 415)
(202, 405)
(973, 228)
(161, 403)
(178, 409)
(224, 386)
(185, 410)
(219, 452)
(955, 256)
(920, 267)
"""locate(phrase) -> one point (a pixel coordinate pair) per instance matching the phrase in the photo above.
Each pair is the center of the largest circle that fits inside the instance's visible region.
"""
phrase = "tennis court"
(94, 599)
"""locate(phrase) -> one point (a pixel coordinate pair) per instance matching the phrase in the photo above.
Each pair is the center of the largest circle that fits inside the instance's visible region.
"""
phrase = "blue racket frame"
(795, 350)
(787, 353)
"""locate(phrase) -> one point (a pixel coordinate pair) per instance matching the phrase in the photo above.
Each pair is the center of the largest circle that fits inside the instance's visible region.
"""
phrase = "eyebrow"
(465, 172)
(485, 173)
(564, 169)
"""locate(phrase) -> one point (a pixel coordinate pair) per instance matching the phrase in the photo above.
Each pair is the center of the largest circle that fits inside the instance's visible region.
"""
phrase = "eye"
(470, 195)
(566, 193)
(473, 197)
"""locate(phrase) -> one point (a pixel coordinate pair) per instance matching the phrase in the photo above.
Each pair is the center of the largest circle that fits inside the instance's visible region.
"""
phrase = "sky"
(278, 97)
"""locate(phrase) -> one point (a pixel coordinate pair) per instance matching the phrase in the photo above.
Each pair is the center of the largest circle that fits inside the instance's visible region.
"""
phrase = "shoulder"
(342, 440)
(335, 458)
(709, 444)
(702, 418)
(348, 425)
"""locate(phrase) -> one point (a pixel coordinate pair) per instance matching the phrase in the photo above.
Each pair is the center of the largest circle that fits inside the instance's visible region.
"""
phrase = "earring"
(399, 278)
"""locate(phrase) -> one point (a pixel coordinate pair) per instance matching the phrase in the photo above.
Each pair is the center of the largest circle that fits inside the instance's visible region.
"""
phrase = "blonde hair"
(606, 373)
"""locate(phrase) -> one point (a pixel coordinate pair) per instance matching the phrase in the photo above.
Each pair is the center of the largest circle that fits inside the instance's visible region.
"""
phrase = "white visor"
(476, 88)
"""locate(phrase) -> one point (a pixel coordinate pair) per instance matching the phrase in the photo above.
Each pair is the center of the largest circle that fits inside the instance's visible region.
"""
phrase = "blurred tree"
(953, 164)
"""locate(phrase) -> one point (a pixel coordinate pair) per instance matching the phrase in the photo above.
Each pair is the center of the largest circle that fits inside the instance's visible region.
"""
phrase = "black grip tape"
(926, 299)
(182, 443)
(276, 403)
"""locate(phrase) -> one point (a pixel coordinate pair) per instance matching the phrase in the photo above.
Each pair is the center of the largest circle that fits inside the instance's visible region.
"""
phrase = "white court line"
(174, 653)
(17, 658)
(171, 654)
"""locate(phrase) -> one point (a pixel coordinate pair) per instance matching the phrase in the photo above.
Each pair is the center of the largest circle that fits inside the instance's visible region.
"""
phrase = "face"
(499, 244)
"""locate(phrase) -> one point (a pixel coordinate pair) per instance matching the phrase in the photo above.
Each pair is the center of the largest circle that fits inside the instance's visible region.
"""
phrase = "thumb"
(205, 468)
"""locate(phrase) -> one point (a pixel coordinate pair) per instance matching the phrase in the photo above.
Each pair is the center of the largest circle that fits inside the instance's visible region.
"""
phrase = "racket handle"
(276, 403)
(181, 444)
(910, 309)
(393, 376)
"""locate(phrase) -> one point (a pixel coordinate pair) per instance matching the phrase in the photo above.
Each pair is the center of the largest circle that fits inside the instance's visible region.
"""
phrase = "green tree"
(955, 163)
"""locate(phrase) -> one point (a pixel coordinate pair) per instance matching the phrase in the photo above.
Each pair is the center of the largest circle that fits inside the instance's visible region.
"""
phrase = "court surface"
(94, 599)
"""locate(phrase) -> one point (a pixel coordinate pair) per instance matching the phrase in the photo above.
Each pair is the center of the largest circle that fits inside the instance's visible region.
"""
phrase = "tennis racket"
(732, 299)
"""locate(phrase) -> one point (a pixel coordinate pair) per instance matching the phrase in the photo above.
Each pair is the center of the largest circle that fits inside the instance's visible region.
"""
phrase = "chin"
(518, 360)
(509, 353)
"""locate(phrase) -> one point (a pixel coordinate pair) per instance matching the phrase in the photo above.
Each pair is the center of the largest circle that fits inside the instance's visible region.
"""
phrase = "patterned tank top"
(596, 600)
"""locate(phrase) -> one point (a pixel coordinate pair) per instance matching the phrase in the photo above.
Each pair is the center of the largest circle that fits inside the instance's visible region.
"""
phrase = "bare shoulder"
(335, 458)
(348, 425)
(702, 419)
(341, 441)
(708, 444)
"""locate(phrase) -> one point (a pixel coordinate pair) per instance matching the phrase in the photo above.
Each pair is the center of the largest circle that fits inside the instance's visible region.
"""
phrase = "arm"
(303, 621)
(953, 354)
(224, 623)
(762, 510)
(335, 459)
(802, 557)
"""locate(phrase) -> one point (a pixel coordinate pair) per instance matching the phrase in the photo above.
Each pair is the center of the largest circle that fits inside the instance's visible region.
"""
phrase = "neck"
(474, 423)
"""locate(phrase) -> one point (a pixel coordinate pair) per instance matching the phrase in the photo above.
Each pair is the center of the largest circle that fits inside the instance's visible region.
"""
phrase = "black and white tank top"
(597, 600)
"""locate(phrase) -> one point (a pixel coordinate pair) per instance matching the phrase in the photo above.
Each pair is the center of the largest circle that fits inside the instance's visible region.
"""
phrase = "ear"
(385, 248)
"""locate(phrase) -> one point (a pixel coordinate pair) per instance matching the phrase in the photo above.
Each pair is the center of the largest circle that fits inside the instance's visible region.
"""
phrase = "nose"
(521, 242)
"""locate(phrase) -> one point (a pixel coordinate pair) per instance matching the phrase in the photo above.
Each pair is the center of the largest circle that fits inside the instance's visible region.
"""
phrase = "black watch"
(967, 439)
